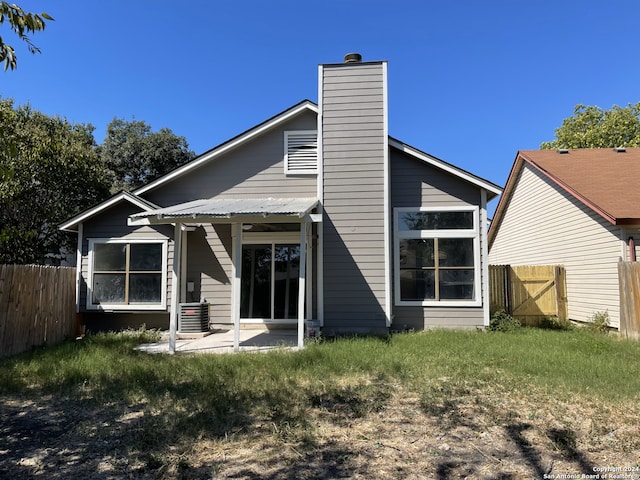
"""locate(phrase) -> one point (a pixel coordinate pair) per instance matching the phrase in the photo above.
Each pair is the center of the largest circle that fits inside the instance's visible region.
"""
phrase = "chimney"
(352, 58)
(353, 140)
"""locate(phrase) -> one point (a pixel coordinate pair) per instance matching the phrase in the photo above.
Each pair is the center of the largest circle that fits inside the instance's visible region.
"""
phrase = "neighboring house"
(579, 208)
(315, 214)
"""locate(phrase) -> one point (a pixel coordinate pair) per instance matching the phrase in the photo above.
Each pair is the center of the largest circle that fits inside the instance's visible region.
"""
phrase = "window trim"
(299, 171)
(127, 307)
(473, 232)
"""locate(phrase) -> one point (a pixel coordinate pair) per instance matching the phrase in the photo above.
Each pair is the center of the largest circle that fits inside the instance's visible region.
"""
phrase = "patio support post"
(309, 272)
(301, 282)
(175, 286)
(236, 253)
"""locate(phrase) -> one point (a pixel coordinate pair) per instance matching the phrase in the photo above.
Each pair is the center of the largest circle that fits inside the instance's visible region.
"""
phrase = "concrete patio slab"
(222, 342)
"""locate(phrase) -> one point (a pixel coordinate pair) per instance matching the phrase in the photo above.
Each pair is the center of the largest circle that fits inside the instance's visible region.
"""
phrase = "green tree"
(49, 171)
(134, 155)
(21, 23)
(593, 127)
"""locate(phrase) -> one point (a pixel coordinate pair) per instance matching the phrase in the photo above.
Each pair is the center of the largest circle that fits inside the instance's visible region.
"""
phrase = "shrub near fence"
(37, 306)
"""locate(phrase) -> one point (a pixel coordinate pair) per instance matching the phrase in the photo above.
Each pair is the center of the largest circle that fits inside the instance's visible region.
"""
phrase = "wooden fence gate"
(529, 293)
(629, 281)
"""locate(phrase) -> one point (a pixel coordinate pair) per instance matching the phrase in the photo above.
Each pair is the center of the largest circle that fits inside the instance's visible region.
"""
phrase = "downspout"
(632, 249)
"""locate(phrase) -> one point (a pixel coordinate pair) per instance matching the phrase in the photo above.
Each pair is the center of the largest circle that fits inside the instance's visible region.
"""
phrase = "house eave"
(235, 142)
(72, 224)
(609, 217)
(492, 189)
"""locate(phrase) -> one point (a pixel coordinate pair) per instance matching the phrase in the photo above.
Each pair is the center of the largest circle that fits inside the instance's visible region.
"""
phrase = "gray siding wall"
(415, 184)
(254, 170)
(209, 267)
(354, 143)
(544, 225)
(112, 223)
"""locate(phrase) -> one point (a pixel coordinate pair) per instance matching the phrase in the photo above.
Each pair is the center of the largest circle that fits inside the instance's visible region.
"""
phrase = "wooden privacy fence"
(629, 283)
(529, 293)
(37, 306)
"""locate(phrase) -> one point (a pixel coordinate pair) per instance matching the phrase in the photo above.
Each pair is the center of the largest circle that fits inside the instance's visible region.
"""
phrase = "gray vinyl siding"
(253, 170)
(112, 223)
(415, 184)
(544, 225)
(209, 266)
(354, 143)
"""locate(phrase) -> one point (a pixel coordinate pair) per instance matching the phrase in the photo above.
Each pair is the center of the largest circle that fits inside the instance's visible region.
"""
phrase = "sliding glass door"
(269, 281)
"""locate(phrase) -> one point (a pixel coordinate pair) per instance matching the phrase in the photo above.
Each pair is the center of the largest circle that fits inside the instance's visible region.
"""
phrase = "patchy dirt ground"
(478, 438)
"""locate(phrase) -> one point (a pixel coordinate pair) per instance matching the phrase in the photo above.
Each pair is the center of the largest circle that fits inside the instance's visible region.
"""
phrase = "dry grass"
(438, 405)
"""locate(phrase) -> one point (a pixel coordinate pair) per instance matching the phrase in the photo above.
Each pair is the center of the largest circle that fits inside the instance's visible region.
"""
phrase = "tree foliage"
(593, 127)
(21, 23)
(49, 172)
(134, 155)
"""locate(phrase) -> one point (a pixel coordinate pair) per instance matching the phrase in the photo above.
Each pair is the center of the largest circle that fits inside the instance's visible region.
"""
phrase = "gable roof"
(308, 105)
(71, 225)
(603, 179)
(492, 189)
(304, 106)
(209, 155)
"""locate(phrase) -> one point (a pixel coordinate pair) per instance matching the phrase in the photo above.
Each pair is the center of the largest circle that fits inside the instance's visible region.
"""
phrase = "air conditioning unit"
(193, 318)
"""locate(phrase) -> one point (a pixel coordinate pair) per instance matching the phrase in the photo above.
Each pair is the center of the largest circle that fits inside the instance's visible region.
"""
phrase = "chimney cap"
(352, 58)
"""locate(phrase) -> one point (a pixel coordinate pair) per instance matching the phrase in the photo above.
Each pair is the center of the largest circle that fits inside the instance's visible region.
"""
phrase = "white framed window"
(270, 275)
(301, 152)
(127, 274)
(437, 256)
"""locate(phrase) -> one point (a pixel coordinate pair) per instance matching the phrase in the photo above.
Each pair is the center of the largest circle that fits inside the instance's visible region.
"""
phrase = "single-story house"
(315, 214)
(578, 208)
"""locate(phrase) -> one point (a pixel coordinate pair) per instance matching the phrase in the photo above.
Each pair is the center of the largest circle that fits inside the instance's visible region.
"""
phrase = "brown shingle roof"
(606, 180)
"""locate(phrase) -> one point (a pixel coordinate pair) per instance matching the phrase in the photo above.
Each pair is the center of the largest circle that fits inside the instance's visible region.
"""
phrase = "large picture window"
(437, 256)
(127, 274)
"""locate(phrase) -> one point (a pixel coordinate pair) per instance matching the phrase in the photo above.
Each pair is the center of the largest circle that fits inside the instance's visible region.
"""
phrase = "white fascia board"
(224, 148)
(444, 166)
(143, 204)
(131, 222)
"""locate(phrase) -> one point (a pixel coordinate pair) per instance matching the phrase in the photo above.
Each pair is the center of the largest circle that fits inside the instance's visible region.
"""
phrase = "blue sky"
(470, 81)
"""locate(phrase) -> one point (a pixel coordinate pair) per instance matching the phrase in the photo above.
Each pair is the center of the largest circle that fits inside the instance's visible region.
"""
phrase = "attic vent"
(562, 151)
(301, 152)
(620, 149)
